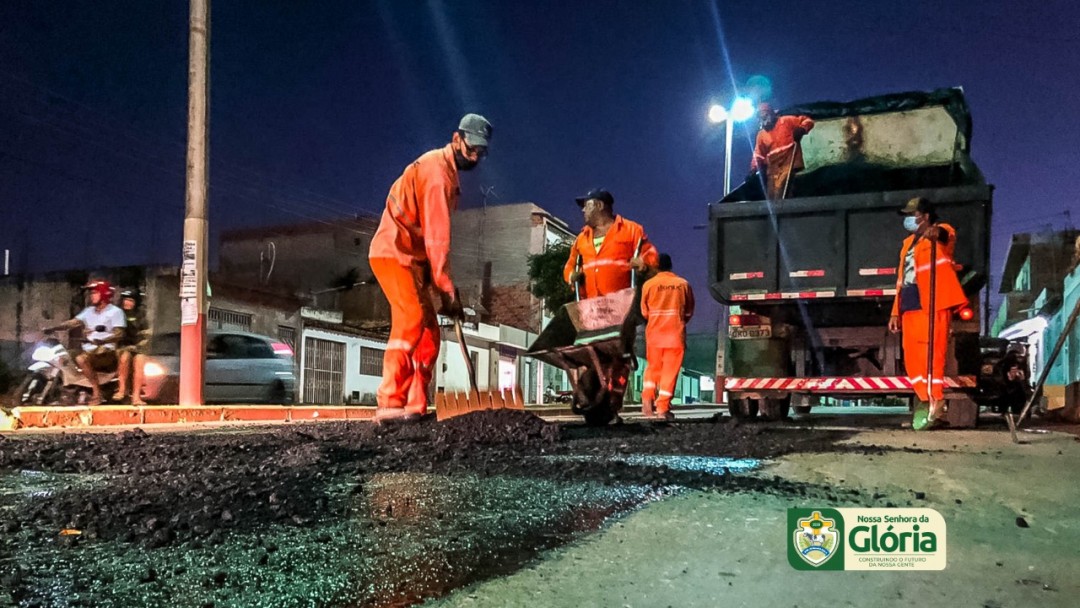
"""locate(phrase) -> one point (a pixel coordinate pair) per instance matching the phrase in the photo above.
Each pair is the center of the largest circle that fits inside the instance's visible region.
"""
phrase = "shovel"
(448, 405)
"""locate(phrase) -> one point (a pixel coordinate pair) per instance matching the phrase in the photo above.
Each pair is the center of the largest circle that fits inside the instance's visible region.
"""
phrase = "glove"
(637, 264)
(577, 277)
(451, 306)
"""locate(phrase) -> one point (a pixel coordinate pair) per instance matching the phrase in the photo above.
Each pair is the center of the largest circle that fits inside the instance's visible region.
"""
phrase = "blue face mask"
(911, 224)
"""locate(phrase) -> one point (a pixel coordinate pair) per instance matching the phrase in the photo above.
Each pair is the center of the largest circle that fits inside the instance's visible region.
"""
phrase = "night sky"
(317, 106)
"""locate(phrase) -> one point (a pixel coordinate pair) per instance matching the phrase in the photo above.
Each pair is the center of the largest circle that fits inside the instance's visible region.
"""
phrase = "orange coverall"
(608, 270)
(667, 303)
(409, 254)
(915, 324)
(773, 150)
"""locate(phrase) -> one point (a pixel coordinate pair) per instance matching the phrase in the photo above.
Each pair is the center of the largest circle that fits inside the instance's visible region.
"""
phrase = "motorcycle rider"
(103, 328)
(133, 348)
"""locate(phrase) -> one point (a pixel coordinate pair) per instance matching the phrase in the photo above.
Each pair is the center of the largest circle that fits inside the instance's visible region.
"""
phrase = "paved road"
(703, 549)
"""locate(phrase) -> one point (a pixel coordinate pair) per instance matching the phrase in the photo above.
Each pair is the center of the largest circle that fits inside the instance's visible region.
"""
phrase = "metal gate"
(324, 371)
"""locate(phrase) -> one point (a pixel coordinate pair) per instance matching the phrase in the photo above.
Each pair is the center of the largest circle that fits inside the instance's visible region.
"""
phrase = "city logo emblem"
(897, 539)
(816, 539)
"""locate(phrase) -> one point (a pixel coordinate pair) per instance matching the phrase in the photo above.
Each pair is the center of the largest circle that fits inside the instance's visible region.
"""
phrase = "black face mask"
(462, 163)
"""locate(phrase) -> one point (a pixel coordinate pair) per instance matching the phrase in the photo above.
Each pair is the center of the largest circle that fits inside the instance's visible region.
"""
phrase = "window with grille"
(219, 318)
(324, 371)
(287, 335)
(371, 361)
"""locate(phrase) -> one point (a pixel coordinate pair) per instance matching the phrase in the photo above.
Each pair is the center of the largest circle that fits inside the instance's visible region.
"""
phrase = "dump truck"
(810, 280)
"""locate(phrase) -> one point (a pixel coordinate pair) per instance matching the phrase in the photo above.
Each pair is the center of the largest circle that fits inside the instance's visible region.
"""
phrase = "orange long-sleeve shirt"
(667, 303)
(949, 291)
(780, 138)
(608, 270)
(415, 226)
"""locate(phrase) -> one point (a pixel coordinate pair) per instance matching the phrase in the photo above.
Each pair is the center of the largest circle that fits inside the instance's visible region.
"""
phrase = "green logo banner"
(865, 539)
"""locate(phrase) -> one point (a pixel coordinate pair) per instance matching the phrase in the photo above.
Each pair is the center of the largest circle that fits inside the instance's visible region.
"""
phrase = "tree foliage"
(546, 277)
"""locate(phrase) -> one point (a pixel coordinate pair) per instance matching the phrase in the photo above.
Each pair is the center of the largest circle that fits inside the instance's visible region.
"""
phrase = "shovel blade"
(450, 404)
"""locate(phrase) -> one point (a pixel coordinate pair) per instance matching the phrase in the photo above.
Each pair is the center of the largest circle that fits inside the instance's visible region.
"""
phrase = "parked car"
(241, 367)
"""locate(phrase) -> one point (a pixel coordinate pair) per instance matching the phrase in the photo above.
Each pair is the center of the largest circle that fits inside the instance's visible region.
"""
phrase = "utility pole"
(193, 265)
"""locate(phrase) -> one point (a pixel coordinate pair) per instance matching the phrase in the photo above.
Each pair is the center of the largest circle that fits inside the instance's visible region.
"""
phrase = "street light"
(741, 109)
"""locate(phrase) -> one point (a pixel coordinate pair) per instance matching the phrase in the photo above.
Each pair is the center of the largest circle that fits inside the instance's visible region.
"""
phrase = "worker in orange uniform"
(777, 155)
(409, 255)
(601, 260)
(912, 310)
(667, 303)
(608, 248)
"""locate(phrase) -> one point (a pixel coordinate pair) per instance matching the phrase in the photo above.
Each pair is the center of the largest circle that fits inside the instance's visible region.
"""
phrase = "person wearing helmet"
(103, 328)
(132, 349)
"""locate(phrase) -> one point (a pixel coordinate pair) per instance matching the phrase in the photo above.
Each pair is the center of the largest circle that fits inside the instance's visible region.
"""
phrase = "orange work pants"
(662, 367)
(414, 342)
(915, 328)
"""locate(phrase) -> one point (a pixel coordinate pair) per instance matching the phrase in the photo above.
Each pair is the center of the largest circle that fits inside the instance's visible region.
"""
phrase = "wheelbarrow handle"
(577, 283)
(633, 273)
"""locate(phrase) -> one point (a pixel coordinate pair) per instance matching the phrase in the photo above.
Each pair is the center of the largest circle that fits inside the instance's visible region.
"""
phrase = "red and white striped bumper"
(852, 384)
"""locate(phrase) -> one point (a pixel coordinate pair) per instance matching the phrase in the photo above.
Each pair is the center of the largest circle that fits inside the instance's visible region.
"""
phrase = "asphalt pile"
(161, 489)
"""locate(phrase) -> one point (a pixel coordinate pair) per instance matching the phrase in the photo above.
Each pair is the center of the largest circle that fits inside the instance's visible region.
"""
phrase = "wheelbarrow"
(593, 340)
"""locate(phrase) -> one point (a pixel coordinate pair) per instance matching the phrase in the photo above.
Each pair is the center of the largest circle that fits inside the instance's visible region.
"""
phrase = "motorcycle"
(53, 378)
(1003, 381)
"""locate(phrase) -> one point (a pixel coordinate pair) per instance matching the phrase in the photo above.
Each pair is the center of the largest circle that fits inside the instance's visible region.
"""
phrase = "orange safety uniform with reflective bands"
(608, 270)
(409, 253)
(778, 140)
(915, 324)
(667, 303)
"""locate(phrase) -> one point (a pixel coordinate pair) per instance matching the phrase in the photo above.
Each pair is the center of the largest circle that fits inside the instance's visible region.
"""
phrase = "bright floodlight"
(717, 114)
(742, 109)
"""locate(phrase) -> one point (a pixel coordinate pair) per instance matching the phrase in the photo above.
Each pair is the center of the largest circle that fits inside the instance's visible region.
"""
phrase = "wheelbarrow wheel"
(591, 400)
(600, 415)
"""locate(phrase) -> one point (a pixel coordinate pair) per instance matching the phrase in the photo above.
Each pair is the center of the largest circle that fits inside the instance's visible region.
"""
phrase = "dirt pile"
(160, 489)
(497, 427)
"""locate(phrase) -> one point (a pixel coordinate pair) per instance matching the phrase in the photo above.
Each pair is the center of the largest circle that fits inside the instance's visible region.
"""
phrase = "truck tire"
(775, 409)
(742, 409)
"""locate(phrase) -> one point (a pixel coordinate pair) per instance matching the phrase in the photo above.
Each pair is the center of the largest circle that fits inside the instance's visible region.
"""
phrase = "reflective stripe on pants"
(661, 374)
(413, 346)
(915, 328)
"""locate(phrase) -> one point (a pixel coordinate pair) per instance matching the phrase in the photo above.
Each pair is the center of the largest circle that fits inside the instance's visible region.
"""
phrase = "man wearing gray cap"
(410, 254)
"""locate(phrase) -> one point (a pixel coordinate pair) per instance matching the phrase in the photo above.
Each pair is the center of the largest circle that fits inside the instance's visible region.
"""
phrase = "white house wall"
(362, 385)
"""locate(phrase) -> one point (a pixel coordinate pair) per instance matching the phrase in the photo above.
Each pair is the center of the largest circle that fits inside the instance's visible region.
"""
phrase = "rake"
(450, 404)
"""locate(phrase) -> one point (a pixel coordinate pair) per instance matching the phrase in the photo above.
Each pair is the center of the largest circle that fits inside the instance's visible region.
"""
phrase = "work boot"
(647, 408)
(416, 410)
(920, 418)
(664, 416)
(938, 412)
(386, 414)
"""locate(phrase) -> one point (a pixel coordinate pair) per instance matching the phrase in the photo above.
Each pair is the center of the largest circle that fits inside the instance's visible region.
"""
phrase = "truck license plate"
(751, 332)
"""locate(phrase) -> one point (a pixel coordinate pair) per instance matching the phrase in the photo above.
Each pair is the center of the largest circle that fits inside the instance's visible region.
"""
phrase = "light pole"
(741, 109)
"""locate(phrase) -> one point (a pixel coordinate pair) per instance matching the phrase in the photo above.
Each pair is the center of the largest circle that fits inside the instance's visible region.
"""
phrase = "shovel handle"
(465, 354)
